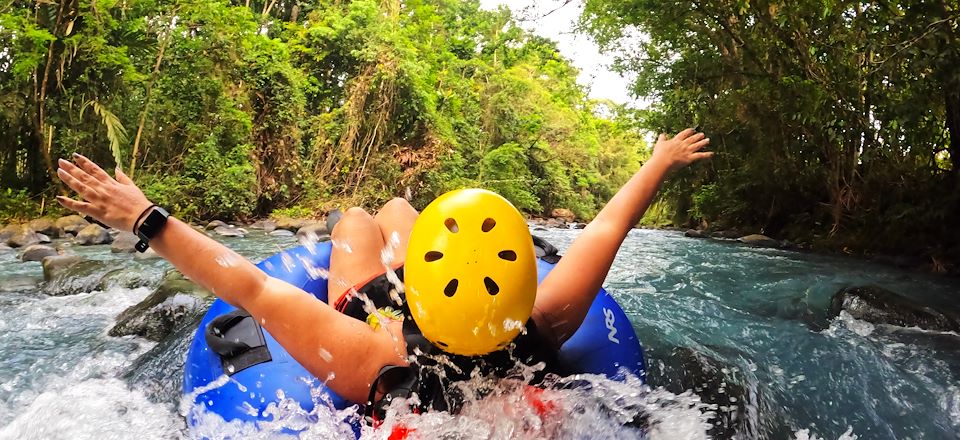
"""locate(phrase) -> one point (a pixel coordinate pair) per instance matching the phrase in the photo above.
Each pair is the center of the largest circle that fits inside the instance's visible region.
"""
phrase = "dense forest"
(836, 123)
(238, 109)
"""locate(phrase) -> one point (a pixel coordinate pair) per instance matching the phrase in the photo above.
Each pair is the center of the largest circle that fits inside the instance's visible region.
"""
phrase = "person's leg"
(355, 257)
(395, 220)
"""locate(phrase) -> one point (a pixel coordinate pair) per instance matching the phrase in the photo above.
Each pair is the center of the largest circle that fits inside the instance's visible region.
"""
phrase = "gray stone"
(175, 301)
(46, 226)
(9, 231)
(292, 224)
(81, 276)
(579, 225)
(128, 279)
(23, 237)
(71, 224)
(695, 233)
(5, 248)
(124, 243)
(93, 235)
(282, 233)
(759, 240)
(264, 225)
(54, 265)
(721, 386)
(229, 231)
(44, 239)
(215, 224)
(881, 306)
(333, 217)
(311, 232)
(37, 252)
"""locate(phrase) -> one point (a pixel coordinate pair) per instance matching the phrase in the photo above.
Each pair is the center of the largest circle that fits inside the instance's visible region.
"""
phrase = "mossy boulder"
(292, 224)
(71, 224)
(175, 301)
(23, 236)
(93, 235)
(46, 226)
(71, 274)
(881, 306)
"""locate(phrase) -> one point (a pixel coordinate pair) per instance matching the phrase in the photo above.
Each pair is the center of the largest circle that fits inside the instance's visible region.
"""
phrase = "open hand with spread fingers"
(114, 202)
(681, 150)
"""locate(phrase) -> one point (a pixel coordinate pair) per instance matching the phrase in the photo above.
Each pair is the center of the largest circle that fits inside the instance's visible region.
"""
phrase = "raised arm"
(566, 294)
(323, 340)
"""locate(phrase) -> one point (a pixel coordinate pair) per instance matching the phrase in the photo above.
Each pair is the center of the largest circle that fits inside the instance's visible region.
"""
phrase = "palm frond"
(116, 134)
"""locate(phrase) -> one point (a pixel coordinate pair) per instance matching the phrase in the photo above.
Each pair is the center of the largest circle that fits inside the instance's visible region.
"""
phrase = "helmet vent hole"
(507, 255)
(492, 287)
(488, 224)
(442, 344)
(451, 288)
(432, 256)
(451, 224)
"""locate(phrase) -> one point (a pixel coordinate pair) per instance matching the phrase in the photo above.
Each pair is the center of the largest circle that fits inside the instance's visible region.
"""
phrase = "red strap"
(400, 432)
(534, 395)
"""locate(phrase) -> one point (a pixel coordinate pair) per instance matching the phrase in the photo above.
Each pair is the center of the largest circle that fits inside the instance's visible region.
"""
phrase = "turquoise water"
(755, 318)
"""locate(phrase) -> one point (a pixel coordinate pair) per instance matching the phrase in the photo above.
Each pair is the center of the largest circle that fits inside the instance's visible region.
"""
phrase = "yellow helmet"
(471, 272)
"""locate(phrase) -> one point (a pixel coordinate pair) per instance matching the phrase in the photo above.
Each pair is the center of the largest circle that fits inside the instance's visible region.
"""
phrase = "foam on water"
(92, 409)
(760, 314)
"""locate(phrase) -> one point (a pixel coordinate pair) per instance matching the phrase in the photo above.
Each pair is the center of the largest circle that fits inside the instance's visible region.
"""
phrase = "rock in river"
(124, 243)
(312, 233)
(23, 236)
(93, 235)
(37, 252)
(229, 231)
(71, 274)
(71, 224)
(759, 240)
(45, 226)
(176, 300)
(881, 306)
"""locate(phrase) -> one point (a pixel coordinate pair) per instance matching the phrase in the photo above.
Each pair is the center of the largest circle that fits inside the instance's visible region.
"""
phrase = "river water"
(720, 322)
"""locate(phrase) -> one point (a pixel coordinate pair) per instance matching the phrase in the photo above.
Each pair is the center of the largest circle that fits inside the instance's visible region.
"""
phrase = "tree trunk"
(952, 99)
(146, 103)
(41, 95)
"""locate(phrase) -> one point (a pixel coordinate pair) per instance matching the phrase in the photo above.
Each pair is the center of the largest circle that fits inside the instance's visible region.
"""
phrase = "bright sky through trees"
(555, 20)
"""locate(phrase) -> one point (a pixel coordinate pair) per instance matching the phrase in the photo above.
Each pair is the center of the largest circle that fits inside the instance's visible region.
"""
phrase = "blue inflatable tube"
(605, 344)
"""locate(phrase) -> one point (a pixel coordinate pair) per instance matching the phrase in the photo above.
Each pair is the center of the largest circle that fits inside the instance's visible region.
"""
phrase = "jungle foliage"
(839, 119)
(234, 109)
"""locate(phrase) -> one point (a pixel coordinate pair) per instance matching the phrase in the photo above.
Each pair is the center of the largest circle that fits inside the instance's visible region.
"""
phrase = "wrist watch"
(150, 227)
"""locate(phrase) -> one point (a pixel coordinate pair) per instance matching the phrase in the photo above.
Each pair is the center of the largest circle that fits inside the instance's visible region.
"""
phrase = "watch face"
(152, 224)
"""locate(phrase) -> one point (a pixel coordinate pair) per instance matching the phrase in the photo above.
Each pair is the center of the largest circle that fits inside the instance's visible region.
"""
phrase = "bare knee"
(396, 208)
(352, 218)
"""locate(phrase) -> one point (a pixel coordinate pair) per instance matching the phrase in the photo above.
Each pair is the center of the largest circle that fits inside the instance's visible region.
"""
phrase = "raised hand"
(114, 202)
(681, 150)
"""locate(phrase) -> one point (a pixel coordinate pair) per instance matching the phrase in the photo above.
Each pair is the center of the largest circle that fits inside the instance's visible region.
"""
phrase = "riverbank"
(32, 237)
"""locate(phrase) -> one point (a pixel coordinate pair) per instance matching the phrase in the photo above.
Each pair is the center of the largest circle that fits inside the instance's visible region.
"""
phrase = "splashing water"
(758, 313)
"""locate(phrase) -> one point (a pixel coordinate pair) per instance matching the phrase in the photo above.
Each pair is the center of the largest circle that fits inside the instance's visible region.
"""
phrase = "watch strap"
(154, 218)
